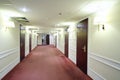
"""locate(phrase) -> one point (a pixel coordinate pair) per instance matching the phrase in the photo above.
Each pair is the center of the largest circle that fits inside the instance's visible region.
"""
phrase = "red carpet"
(46, 63)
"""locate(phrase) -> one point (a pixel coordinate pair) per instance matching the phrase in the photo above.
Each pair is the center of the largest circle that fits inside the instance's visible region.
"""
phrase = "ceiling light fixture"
(24, 9)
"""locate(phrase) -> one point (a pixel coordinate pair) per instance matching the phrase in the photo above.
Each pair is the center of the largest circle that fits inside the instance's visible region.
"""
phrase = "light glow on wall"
(65, 24)
(98, 6)
(101, 19)
(9, 13)
(8, 22)
(6, 17)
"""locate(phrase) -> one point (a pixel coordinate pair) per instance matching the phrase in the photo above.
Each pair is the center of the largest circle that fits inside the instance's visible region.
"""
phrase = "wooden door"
(37, 39)
(47, 39)
(66, 44)
(30, 41)
(82, 33)
(22, 43)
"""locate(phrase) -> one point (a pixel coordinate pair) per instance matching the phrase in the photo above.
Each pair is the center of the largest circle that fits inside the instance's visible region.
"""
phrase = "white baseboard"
(94, 75)
(8, 68)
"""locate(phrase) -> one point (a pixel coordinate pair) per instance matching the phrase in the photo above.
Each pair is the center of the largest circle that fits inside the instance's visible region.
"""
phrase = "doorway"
(22, 42)
(66, 43)
(82, 34)
(30, 41)
(47, 39)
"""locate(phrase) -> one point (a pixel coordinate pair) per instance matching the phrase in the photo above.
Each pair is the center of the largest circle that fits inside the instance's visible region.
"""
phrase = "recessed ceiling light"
(24, 9)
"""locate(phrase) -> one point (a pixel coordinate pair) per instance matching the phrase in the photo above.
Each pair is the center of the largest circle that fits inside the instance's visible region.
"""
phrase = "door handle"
(84, 48)
(21, 44)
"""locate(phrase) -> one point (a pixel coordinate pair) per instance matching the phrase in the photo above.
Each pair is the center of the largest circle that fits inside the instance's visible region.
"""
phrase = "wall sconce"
(102, 26)
(9, 23)
(100, 22)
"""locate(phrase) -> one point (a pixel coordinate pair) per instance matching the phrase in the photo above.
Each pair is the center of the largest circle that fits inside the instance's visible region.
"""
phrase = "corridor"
(46, 63)
(66, 37)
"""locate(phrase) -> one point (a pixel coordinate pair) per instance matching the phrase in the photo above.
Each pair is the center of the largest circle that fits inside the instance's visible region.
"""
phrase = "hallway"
(46, 63)
(87, 32)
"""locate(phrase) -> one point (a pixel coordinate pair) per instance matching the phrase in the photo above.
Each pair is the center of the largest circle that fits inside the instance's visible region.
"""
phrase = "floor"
(46, 63)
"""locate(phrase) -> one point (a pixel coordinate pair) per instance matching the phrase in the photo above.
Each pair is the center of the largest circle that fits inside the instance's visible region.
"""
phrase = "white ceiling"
(46, 13)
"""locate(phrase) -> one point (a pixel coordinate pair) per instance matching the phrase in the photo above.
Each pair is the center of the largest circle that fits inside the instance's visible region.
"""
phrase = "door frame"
(47, 39)
(66, 43)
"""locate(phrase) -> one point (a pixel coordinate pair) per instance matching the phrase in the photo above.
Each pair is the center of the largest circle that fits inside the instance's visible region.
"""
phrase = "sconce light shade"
(10, 24)
(102, 26)
(100, 22)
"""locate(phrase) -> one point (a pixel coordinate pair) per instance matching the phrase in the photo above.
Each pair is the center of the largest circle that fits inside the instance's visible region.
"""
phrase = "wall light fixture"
(101, 26)
(100, 22)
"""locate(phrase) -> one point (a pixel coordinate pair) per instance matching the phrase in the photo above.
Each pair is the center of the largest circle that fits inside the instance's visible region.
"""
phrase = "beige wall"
(27, 33)
(52, 39)
(103, 45)
(34, 39)
(40, 39)
(61, 40)
(104, 57)
(72, 43)
(9, 47)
